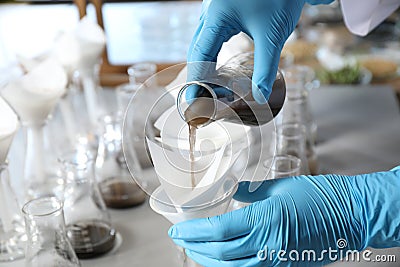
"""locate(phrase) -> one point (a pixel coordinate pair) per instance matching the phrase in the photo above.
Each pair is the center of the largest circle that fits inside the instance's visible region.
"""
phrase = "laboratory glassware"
(47, 244)
(118, 188)
(88, 223)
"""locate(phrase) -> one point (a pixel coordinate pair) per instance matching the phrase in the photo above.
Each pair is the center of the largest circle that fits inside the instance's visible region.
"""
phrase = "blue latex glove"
(298, 213)
(268, 22)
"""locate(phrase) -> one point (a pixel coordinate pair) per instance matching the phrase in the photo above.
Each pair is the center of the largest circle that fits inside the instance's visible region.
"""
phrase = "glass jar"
(47, 245)
(118, 188)
(88, 223)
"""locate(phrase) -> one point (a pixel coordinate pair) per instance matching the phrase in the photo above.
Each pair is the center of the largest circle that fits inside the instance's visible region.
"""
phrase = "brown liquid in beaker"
(119, 194)
(91, 239)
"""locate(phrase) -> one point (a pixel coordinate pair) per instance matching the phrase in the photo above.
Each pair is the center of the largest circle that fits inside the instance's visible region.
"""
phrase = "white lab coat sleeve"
(362, 16)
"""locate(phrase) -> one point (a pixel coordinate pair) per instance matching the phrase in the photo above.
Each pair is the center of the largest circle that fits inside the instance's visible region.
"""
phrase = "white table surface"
(358, 132)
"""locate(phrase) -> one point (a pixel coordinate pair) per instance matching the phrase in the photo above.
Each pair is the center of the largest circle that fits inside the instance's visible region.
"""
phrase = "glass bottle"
(281, 166)
(47, 245)
(118, 188)
(296, 109)
(88, 223)
(226, 93)
(290, 140)
(12, 228)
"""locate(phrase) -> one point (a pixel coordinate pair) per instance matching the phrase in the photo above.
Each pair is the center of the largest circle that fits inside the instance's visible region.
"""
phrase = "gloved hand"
(299, 213)
(268, 22)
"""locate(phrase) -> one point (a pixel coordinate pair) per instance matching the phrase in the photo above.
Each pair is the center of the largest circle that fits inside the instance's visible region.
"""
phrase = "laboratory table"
(358, 132)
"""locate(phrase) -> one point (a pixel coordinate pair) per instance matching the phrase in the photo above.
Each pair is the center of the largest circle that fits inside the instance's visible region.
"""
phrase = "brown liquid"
(91, 239)
(193, 125)
(119, 194)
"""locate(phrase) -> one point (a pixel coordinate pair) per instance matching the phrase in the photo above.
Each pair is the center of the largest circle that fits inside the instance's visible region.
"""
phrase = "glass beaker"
(88, 222)
(291, 140)
(296, 109)
(281, 166)
(118, 188)
(47, 245)
(12, 228)
(226, 93)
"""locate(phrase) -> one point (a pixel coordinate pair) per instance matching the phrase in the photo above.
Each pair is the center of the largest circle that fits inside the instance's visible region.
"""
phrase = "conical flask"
(12, 228)
(47, 245)
(296, 109)
(119, 190)
(88, 222)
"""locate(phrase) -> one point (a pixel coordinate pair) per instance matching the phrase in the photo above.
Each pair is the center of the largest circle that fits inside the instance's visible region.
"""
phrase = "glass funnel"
(88, 223)
(47, 245)
(12, 228)
(116, 185)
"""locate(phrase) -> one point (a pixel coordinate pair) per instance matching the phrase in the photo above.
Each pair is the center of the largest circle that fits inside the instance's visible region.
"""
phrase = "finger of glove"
(219, 228)
(206, 261)
(319, 2)
(266, 61)
(224, 250)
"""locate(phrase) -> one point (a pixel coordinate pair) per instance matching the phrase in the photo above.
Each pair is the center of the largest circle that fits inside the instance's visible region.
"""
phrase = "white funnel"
(161, 204)
(218, 146)
(34, 95)
(8, 127)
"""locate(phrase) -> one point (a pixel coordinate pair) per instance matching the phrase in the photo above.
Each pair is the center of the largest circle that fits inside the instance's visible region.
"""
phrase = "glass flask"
(73, 110)
(88, 223)
(282, 166)
(118, 188)
(12, 228)
(47, 245)
(232, 102)
(291, 140)
(296, 109)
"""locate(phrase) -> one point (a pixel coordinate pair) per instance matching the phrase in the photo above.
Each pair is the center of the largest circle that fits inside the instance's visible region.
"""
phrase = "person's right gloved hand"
(304, 214)
(268, 22)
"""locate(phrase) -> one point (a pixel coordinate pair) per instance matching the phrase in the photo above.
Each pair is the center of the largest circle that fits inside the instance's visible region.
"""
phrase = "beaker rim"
(54, 205)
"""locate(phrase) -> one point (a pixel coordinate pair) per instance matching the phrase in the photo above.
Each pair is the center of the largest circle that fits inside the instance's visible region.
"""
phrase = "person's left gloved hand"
(268, 22)
(318, 213)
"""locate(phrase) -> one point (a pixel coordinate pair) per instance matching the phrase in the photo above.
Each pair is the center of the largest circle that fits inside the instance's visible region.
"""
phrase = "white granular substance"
(34, 95)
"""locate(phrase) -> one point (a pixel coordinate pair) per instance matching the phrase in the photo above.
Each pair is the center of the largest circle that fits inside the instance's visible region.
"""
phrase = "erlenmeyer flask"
(296, 109)
(48, 245)
(281, 166)
(291, 140)
(88, 223)
(118, 188)
(12, 228)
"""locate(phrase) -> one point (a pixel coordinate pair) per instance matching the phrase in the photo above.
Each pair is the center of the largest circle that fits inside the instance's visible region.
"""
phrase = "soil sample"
(91, 239)
(121, 193)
